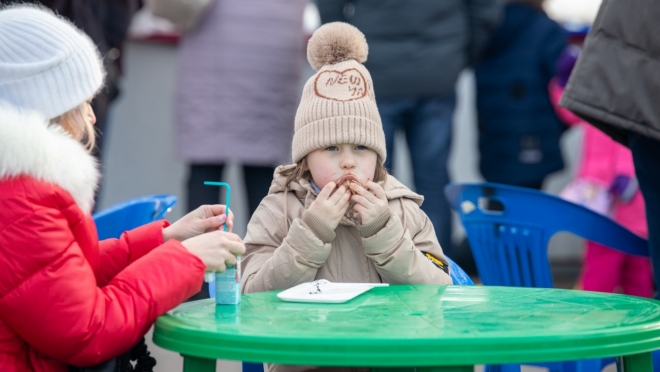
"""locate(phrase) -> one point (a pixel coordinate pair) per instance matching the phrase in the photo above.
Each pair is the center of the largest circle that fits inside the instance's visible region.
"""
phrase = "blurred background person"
(605, 183)
(615, 87)
(519, 131)
(417, 50)
(106, 22)
(225, 110)
(229, 68)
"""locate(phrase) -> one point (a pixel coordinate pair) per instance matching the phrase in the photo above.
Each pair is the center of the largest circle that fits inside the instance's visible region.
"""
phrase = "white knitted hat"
(338, 104)
(47, 65)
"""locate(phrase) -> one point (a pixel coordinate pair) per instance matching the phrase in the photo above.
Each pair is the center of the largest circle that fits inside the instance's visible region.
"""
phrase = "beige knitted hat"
(338, 104)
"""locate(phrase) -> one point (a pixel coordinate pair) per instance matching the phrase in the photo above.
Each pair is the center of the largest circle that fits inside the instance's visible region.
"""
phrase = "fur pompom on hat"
(336, 42)
(47, 65)
(338, 104)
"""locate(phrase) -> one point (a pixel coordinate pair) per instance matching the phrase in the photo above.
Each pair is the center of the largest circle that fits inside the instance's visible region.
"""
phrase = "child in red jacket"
(67, 299)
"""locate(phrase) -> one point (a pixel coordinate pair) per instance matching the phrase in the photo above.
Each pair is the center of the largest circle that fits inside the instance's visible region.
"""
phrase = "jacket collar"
(30, 146)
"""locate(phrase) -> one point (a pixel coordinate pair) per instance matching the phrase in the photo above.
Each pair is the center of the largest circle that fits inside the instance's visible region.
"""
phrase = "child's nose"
(347, 162)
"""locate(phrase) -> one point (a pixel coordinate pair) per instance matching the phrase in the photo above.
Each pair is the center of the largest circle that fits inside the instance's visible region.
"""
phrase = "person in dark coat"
(417, 49)
(519, 131)
(615, 86)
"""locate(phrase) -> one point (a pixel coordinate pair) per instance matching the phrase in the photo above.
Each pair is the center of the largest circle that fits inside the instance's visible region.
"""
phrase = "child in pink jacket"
(606, 183)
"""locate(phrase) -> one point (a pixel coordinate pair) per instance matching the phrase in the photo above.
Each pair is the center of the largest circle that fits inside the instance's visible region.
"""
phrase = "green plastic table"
(447, 328)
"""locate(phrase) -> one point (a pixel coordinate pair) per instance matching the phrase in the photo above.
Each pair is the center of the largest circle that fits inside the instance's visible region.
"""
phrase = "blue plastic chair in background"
(113, 221)
(458, 276)
(509, 229)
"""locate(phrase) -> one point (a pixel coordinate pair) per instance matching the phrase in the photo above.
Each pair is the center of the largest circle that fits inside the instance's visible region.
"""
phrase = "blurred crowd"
(232, 55)
(322, 195)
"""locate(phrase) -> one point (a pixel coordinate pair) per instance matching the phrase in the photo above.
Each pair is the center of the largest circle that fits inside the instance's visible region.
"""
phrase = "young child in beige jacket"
(336, 214)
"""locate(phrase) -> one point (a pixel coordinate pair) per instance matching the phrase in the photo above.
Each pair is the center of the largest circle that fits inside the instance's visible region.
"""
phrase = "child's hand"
(331, 207)
(203, 219)
(370, 205)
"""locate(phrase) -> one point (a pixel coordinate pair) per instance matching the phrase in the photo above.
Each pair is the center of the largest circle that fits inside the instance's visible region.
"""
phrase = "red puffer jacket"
(65, 297)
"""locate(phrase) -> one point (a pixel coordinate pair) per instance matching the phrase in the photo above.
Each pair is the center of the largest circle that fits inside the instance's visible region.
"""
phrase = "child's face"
(332, 163)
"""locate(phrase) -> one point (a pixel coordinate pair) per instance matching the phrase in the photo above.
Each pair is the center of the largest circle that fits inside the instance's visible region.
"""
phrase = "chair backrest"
(509, 229)
(113, 221)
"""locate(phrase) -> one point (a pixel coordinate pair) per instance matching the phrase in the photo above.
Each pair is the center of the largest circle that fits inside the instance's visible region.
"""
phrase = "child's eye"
(360, 147)
(332, 148)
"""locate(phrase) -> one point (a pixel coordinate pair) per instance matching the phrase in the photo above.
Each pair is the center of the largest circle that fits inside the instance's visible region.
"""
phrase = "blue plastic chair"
(509, 229)
(113, 221)
(458, 276)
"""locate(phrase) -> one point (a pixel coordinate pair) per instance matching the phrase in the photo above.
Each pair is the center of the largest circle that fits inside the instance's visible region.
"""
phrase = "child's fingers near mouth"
(338, 193)
(364, 192)
(359, 199)
(376, 189)
(357, 188)
(327, 190)
(345, 198)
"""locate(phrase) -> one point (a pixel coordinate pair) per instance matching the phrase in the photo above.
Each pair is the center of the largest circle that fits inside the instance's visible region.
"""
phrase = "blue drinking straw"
(208, 277)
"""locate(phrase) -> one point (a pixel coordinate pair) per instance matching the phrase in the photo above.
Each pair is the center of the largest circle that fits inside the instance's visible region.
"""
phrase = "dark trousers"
(257, 181)
(427, 123)
(646, 155)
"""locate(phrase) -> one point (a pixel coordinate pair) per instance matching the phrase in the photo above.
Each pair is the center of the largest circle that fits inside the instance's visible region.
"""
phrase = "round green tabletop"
(417, 325)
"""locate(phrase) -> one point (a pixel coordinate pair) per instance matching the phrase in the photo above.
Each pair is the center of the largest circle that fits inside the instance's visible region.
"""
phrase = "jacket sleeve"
(116, 254)
(397, 251)
(52, 301)
(483, 18)
(276, 258)
(614, 84)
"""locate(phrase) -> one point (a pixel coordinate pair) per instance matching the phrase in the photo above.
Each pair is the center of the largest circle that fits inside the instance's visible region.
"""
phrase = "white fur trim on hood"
(30, 146)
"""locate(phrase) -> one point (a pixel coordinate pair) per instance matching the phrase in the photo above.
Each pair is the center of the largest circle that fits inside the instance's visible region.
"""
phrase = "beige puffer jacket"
(286, 245)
